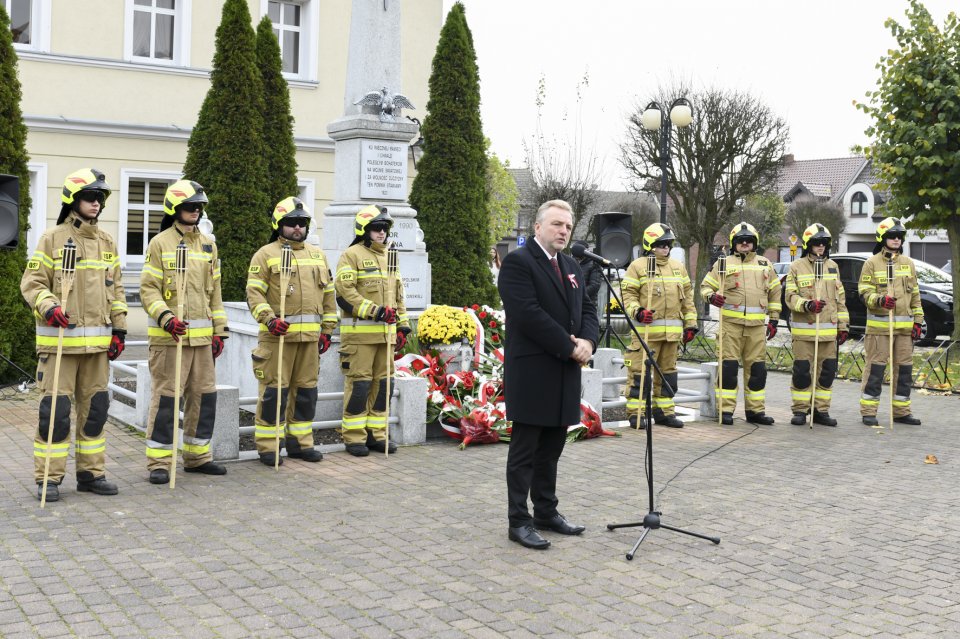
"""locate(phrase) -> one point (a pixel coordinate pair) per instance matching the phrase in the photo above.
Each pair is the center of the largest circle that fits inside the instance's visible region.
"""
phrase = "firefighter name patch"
(255, 269)
(33, 265)
(106, 256)
(369, 264)
(346, 277)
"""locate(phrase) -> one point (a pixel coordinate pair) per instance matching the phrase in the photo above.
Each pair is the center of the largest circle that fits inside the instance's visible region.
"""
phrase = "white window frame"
(309, 38)
(128, 261)
(39, 25)
(38, 209)
(868, 208)
(182, 13)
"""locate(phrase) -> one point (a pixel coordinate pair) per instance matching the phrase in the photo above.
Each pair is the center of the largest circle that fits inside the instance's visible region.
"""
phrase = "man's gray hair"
(560, 204)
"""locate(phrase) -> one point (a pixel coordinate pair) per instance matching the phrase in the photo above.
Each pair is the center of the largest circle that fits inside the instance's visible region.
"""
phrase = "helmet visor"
(290, 222)
(89, 195)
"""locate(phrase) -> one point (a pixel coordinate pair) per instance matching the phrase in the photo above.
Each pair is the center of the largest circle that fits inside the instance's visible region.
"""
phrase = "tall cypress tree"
(279, 150)
(225, 151)
(450, 189)
(16, 334)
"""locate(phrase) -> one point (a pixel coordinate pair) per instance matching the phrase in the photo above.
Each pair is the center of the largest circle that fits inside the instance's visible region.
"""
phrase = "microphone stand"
(606, 332)
(651, 521)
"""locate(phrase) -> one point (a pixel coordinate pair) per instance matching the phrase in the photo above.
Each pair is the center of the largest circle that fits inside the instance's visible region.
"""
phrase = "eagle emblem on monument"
(387, 103)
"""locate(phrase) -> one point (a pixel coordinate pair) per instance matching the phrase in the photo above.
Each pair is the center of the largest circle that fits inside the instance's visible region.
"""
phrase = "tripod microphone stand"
(651, 521)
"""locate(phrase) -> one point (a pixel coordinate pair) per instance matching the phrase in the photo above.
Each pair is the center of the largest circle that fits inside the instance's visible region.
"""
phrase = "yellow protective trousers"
(876, 350)
(665, 354)
(364, 391)
(198, 391)
(301, 364)
(83, 378)
(746, 345)
(804, 374)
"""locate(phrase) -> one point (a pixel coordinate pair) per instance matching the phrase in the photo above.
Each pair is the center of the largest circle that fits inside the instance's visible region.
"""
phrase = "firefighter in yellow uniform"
(94, 319)
(202, 329)
(670, 318)
(809, 301)
(881, 296)
(310, 315)
(361, 286)
(750, 306)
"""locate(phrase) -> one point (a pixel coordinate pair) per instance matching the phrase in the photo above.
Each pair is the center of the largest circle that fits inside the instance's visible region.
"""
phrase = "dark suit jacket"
(541, 382)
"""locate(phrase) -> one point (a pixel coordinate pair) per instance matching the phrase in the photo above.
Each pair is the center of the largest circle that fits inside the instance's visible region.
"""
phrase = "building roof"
(826, 179)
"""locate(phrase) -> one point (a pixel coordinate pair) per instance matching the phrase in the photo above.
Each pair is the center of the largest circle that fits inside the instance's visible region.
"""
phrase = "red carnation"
(493, 324)
(482, 314)
(495, 337)
(417, 365)
(475, 307)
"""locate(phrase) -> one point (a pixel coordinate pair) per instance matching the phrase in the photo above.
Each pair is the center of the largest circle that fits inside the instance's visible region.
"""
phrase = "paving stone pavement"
(825, 533)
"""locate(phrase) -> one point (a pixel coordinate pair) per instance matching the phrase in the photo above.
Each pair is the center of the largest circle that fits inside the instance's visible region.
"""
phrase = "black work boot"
(798, 419)
(823, 419)
(907, 419)
(270, 459)
(87, 483)
(727, 419)
(306, 454)
(378, 445)
(208, 468)
(632, 420)
(759, 418)
(160, 476)
(358, 450)
(670, 421)
(53, 491)
(870, 420)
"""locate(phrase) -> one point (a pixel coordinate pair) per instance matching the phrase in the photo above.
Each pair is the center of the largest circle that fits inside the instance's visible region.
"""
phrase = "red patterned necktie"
(556, 267)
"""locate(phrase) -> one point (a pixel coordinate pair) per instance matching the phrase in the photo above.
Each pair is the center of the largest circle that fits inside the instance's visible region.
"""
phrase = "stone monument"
(372, 142)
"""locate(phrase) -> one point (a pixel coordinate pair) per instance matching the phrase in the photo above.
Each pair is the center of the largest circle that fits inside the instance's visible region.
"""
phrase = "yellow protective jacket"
(873, 285)
(202, 303)
(97, 304)
(670, 294)
(751, 288)
(801, 287)
(361, 285)
(310, 306)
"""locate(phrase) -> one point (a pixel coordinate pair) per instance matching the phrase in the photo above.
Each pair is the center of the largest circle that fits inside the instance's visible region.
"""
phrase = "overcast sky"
(807, 59)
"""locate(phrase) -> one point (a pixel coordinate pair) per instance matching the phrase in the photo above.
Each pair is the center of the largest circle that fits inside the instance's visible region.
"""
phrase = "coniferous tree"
(280, 151)
(450, 189)
(225, 151)
(16, 334)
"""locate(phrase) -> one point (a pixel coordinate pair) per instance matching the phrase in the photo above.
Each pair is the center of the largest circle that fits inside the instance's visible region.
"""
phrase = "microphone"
(580, 251)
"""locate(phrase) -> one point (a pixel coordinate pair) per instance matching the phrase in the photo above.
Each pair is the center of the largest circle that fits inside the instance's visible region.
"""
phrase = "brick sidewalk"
(825, 533)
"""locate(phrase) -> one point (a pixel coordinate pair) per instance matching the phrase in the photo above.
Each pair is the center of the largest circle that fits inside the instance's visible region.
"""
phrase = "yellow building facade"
(118, 85)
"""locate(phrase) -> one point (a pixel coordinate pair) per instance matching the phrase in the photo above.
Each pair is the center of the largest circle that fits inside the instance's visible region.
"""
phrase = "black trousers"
(532, 470)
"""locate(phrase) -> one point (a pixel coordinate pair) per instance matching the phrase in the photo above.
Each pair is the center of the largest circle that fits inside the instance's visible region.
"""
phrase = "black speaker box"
(614, 233)
(9, 211)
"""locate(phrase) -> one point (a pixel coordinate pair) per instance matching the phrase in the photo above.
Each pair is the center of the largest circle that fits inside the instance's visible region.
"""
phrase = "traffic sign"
(521, 241)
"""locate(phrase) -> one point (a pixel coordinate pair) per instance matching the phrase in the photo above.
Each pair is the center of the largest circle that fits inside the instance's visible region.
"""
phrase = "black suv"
(936, 296)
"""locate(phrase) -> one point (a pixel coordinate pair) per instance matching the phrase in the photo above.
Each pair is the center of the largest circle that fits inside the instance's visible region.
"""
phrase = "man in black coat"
(551, 332)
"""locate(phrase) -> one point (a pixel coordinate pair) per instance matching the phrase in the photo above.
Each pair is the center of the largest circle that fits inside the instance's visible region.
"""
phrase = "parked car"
(948, 268)
(936, 296)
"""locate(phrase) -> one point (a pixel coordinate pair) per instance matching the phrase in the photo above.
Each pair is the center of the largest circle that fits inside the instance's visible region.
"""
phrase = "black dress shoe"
(270, 459)
(727, 419)
(559, 524)
(870, 420)
(97, 486)
(208, 468)
(670, 421)
(759, 418)
(306, 454)
(907, 419)
(528, 537)
(160, 476)
(823, 419)
(798, 419)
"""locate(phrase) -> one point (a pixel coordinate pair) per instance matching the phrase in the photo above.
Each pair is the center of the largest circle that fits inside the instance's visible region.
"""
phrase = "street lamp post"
(653, 118)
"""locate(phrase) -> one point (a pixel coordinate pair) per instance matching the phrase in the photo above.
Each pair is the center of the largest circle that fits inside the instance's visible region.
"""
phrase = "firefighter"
(310, 315)
(750, 306)
(807, 302)
(202, 329)
(361, 283)
(902, 296)
(94, 319)
(671, 318)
